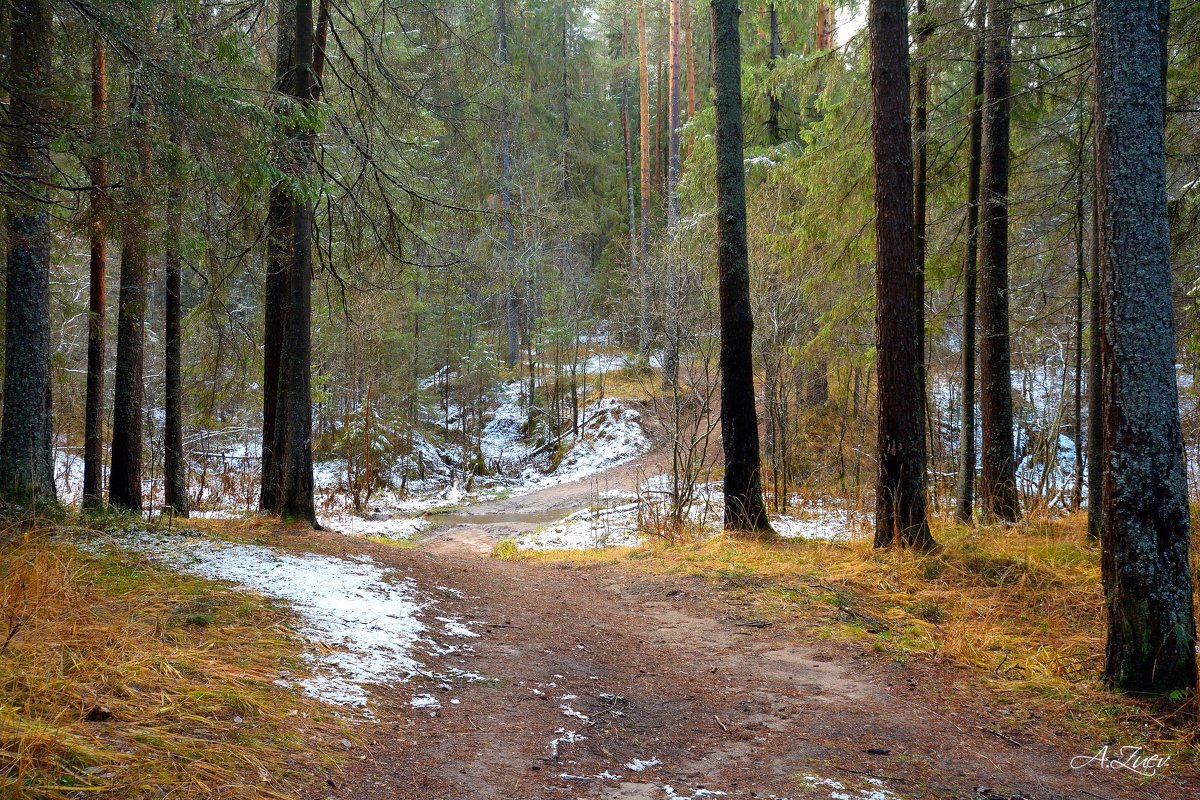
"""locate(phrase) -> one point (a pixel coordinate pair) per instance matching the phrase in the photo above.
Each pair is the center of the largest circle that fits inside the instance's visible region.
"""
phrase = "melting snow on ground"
(619, 525)
(874, 789)
(365, 619)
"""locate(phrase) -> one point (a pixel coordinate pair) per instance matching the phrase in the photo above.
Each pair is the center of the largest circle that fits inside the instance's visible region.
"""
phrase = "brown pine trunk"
(964, 510)
(1144, 563)
(630, 202)
(744, 508)
(825, 26)
(93, 425)
(26, 446)
(174, 461)
(689, 42)
(998, 479)
(900, 484)
(125, 475)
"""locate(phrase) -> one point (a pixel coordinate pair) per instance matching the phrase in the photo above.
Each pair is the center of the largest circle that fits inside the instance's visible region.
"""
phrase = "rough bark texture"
(744, 508)
(998, 478)
(674, 169)
(964, 508)
(93, 417)
(174, 462)
(1095, 435)
(1147, 583)
(295, 399)
(900, 483)
(26, 453)
(129, 393)
(278, 269)
(644, 140)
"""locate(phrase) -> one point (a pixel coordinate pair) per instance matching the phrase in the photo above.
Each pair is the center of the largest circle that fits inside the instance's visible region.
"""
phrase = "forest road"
(604, 682)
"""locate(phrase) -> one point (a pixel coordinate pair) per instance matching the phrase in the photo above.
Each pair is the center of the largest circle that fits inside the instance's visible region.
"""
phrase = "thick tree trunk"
(295, 399)
(280, 235)
(964, 508)
(1147, 581)
(998, 479)
(1095, 425)
(129, 395)
(744, 508)
(644, 141)
(93, 417)
(26, 446)
(825, 26)
(174, 460)
(920, 135)
(900, 484)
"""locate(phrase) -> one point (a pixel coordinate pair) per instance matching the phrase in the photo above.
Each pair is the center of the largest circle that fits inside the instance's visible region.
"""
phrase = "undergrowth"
(122, 679)
(1020, 606)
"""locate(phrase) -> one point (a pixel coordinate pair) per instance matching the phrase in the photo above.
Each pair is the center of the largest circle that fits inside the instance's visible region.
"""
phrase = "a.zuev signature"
(1133, 758)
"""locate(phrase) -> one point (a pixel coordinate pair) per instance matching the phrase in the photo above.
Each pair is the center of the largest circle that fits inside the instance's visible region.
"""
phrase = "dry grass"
(1021, 606)
(122, 679)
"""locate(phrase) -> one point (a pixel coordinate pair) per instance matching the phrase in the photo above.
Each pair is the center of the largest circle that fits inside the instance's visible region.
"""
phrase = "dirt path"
(603, 684)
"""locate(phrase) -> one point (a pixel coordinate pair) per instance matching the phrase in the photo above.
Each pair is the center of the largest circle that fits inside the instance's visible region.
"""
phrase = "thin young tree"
(174, 460)
(295, 399)
(93, 416)
(26, 455)
(1147, 580)
(744, 507)
(964, 509)
(900, 483)
(644, 141)
(129, 394)
(1095, 423)
(998, 477)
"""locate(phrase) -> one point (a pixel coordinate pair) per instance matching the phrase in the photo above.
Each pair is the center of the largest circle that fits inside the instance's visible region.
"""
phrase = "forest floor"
(615, 677)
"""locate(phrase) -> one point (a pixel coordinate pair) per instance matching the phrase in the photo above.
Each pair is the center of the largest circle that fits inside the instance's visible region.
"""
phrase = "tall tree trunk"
(744, 508)
(125, 475)
(825, 26)
(280, 235)
(295, 399)
(1080, 282)
(1147, 581)
(900, 483)
(174, 462)
(630, 202)
(998, 484)
(964, 508)
(690, 42)
(26, 446)
(674, 167)
(775, 51)
(511, 303)
(93, 424)
(660, 135)
(644, 140)
(920, 135)
(1095, 429)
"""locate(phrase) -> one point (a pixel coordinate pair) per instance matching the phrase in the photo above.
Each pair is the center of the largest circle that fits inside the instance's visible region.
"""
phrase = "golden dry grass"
(1021, 606)
(121, 679)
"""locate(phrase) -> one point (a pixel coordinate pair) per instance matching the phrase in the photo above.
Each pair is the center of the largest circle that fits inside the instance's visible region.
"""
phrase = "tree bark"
(511, 302)
(125, 474)
(998, 479)
(280, 235)
(174, 460)
(630, 202)
(900, 482)
(964, 509)
(1147, 582)
(775, 51)
(93, 424)
(1095, 435)
(689, 41)
(644, 141)
(674, 168)
(295, 400)
(744, 508)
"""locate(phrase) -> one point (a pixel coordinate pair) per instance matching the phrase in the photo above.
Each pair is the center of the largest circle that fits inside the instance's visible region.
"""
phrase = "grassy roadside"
(1021, 607)
(122, 679)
